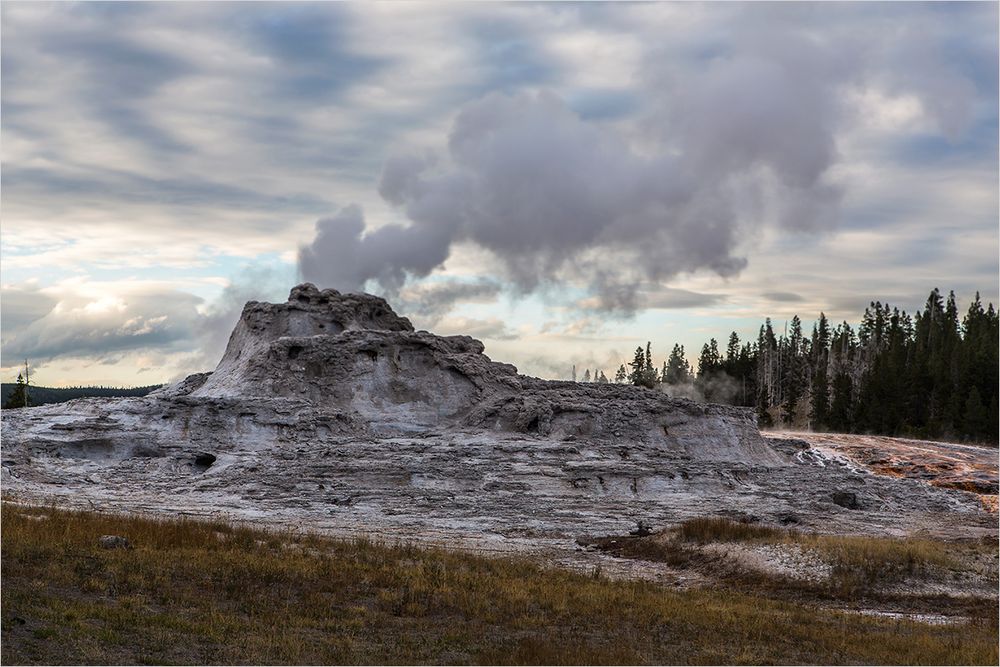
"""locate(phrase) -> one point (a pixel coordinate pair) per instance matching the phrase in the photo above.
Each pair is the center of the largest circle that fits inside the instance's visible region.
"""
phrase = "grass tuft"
(855, 558)
(719, 529)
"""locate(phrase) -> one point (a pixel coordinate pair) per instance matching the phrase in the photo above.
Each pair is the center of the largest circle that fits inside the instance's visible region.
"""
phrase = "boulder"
(114, 542)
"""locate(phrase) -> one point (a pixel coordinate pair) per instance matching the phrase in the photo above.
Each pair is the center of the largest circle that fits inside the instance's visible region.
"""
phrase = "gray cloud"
(430, 301)
(103, 322)
(492, 328)
(114, 74)
(120, 188)
(23, 304)
(507, 54)
(198, 91)
(785, 297)
(78, 325)
(669, 297)
(308, 44)
(342, 256)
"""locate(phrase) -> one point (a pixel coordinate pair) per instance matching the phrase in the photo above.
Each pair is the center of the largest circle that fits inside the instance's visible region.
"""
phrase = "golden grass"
(861, 571)
(720, 529)
(205, 592)
(870, 558)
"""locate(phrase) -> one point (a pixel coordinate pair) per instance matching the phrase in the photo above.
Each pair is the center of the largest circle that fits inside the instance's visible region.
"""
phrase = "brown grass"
(719, 529)
(867, 557)
(864, 571)
(202, 592)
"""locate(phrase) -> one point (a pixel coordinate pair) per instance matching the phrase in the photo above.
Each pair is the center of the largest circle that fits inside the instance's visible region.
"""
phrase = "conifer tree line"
(930, 375)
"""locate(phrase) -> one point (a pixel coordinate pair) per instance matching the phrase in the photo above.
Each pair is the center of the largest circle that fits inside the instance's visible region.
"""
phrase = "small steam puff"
(719, 387)
(340, 256)
(557, 198)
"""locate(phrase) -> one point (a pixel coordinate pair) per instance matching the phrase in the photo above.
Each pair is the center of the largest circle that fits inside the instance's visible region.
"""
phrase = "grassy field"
(202, 592)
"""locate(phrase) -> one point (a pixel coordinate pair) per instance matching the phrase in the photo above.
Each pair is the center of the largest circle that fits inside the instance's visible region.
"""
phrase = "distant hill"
(43, 395)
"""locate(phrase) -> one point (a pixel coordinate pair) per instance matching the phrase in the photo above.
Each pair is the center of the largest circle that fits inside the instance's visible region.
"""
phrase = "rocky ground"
(943, 464)
(501, 490)
(331, 413)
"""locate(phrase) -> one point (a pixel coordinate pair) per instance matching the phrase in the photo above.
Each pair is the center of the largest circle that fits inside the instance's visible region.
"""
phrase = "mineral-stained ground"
(329, 412)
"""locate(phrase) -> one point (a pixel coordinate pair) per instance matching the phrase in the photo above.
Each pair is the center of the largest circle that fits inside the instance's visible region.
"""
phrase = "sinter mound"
(351, 355)
(331, 410)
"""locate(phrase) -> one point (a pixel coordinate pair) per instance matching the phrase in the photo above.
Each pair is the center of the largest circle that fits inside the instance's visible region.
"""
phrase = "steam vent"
(331, 411)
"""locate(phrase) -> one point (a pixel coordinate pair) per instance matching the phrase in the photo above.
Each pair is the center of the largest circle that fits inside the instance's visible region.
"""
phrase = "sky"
(563, 181)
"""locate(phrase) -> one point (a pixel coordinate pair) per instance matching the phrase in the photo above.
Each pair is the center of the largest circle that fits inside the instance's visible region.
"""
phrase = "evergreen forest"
(932, 374)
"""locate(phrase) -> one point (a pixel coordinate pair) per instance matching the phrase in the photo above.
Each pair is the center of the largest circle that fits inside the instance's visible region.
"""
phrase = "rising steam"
(558, 198)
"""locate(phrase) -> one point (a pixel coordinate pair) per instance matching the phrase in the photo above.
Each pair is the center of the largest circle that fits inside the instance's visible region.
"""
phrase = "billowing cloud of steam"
(557, 198)
(743, 138)
(342, 256)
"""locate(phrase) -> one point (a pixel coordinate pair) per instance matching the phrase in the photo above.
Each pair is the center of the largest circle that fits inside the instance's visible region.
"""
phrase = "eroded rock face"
(331, 411)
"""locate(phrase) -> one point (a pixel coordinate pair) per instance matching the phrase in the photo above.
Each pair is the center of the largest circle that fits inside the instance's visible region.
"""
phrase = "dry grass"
(855, 558)
(862, 571)
(719, 529)
(866, 561)
(200, 592)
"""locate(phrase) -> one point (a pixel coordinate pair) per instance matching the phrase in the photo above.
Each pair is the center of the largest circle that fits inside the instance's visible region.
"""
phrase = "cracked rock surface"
(331, 413)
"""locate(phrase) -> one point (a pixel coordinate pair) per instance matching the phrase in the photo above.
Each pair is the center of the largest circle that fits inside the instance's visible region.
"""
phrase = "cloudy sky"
(563, 181)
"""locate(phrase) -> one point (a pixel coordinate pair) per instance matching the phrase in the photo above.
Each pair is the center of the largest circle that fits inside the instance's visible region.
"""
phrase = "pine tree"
(709, 361)
(745, 372)
(643, 372)
(792, 381)
(843, 369)
(894, 375)
(732, 353)
(820, 390)
(677, 370)
(767, 371)
(19, 397)
(650, 377)
(709, 368)
(638, 367)
(586, 375)
(978, 362)
(932, 366)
